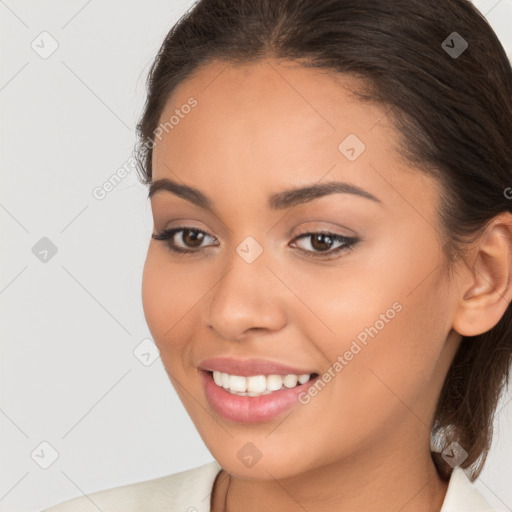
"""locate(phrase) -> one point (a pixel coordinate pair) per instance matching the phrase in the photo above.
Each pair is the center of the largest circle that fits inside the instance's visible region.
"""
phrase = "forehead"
(278, 107)
(257, 128)
(287, 90)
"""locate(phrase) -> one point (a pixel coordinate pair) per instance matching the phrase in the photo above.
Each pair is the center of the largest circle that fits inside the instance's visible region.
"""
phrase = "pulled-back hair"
(454, 112)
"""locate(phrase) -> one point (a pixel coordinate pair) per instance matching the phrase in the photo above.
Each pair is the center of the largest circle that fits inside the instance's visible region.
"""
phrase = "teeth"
(304, 378)
(217, 377)
(237, 383)
(274, 382)
(290, 381)
(257, 385)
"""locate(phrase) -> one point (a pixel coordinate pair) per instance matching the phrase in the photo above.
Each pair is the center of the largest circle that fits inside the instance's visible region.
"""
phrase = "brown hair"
(454, 112)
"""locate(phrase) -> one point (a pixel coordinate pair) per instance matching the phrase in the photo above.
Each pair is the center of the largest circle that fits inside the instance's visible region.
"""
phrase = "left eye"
(322, 242)
(192, 239)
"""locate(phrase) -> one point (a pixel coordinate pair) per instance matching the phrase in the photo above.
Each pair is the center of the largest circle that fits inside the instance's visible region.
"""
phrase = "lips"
(251, 409)
(248, 367)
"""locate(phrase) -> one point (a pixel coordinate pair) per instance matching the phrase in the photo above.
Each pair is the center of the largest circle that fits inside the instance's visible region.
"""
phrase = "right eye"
(191, 238)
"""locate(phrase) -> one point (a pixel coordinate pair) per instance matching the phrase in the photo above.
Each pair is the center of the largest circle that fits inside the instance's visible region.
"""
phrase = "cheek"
(168, 298)
(386, 316)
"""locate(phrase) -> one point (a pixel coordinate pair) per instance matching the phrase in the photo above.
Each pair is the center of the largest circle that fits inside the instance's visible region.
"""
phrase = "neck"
(398, 478)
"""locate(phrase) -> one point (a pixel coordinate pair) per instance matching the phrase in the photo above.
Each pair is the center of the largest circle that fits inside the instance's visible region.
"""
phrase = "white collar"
(463, 496)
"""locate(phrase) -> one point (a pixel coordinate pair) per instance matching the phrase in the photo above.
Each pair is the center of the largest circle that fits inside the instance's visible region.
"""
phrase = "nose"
(246, 300)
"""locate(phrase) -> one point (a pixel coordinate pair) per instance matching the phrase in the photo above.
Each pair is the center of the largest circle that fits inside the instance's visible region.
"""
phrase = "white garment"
(189, 491)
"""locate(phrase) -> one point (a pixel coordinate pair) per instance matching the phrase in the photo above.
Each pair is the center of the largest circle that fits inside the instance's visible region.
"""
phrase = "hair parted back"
(455, 116)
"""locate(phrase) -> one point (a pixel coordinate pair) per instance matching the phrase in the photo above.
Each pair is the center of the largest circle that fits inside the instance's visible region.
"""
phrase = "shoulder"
(186, 490)
(463, 496)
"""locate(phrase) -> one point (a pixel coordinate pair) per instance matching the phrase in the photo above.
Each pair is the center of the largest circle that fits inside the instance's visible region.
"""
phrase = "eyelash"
(349, 243)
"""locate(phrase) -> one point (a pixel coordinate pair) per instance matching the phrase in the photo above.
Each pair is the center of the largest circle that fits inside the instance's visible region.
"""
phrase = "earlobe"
(487, 289)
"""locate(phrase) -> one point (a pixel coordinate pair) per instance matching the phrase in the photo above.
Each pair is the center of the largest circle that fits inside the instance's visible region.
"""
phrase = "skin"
(363, 442)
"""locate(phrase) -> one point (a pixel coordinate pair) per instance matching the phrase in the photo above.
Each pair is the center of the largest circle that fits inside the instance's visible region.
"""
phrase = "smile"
(254, 406)
(258, 385)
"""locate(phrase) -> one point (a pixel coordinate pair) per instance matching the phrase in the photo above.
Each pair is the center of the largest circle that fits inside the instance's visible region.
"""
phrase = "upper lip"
(247, 367)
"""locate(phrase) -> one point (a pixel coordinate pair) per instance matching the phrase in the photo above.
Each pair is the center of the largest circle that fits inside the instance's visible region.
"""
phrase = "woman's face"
(372, 320)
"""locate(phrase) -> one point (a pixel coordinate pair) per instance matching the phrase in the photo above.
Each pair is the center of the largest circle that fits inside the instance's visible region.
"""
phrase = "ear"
(487, 286)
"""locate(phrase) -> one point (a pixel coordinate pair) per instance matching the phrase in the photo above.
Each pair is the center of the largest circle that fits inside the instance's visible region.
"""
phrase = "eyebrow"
(278, 201)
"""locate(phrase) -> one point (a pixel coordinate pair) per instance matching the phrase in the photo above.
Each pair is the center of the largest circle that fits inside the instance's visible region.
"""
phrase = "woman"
(329, 276)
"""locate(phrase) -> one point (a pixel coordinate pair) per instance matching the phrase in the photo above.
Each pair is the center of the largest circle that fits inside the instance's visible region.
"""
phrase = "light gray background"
(69, 376)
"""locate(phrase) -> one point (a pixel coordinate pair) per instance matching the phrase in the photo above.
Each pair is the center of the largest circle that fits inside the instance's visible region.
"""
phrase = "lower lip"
(251, 409)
